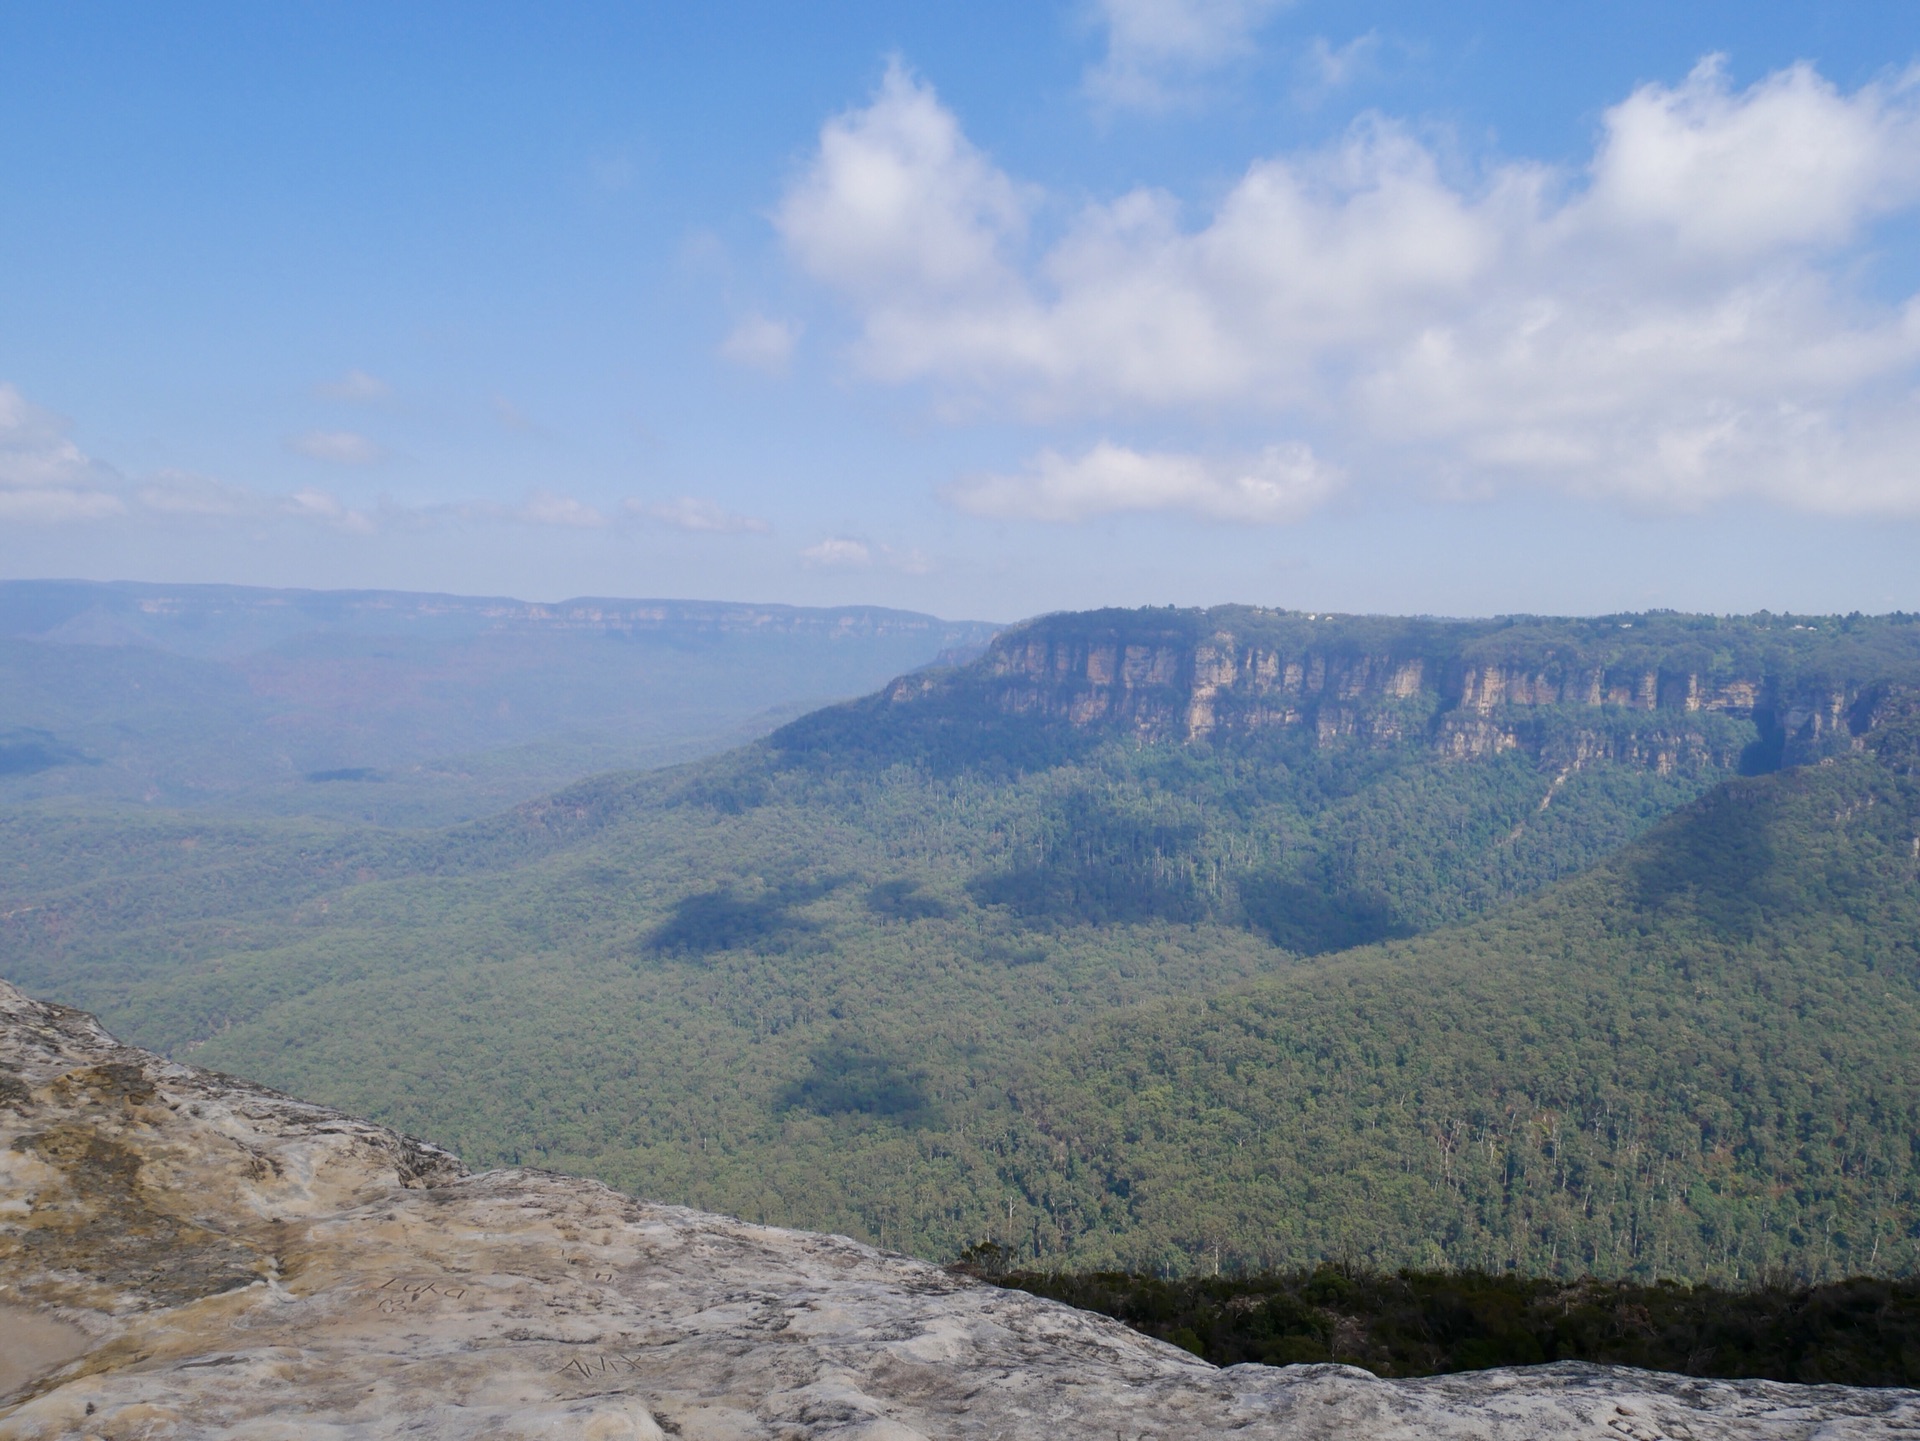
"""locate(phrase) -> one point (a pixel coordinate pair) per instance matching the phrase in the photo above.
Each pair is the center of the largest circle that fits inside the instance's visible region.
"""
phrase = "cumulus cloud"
(846, 553)
(1329, 67)
(1711, 174)
(839, 553)
(758, 343)
(1675, 323)
(702, 516)
(545, 508)
(903, 217)
(1156, 49)
(44, 475)
(902, 212)
(327, 509)
(1283, 482)
(357, 387)
(341, 447)
(46, 478)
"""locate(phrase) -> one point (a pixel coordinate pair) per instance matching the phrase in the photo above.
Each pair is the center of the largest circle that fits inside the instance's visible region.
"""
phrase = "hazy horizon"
(1004, 621)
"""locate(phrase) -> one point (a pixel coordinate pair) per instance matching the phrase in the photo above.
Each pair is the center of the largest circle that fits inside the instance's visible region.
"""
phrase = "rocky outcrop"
(184, 1255)
(1468, 688)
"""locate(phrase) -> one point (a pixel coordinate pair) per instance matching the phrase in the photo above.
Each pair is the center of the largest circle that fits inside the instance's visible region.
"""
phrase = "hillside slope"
(1696, 1060)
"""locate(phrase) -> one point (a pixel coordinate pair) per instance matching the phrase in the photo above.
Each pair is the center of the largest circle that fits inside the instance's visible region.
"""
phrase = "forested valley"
(1172, 941)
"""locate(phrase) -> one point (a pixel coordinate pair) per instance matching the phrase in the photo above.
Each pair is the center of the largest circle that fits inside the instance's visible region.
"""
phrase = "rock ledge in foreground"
(184, 1255)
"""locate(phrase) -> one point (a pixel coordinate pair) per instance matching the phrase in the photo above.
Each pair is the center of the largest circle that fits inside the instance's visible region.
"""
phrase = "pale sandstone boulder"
(184, 1255)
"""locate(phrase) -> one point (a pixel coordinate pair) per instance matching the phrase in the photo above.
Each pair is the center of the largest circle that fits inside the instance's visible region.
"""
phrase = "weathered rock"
(185, 1255)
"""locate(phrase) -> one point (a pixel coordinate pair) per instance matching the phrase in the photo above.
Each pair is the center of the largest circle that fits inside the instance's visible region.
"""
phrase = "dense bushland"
(1694, 1060)
(1097, 998)
(1862, 1331)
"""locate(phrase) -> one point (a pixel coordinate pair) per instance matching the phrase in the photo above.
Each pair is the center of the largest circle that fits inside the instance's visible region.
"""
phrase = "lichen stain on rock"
(102, 1222)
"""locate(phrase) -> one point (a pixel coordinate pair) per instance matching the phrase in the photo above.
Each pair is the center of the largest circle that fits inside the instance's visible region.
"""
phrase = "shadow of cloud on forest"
(906, 900)
(728, 919)
(1001, 953)
(850, 1079)
(1718, 859)
(26, 751)
(1309, 921)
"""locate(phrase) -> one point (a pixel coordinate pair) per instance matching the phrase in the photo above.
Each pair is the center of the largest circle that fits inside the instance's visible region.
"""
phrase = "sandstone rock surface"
(186, 1255)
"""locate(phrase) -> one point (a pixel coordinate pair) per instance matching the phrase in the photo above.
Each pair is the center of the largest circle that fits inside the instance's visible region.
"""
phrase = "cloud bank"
(1283, 482)
(839, 552)
(1681, 321)
(690, 513)
(327, 509)
(47, 479)
(44, 476)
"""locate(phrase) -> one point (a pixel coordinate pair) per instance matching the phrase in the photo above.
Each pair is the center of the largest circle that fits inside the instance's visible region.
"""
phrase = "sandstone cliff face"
(186, 1256)
(1467, 688)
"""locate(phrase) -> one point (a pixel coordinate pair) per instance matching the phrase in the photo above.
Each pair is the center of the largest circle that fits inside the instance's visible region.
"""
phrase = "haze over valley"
(405, 709)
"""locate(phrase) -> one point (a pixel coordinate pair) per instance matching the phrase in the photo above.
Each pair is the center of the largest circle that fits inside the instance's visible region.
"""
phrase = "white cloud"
(845, 553)
(341, 447)
(839, 553)
(1707, 172)
(357, 387)
(44, 475)
(689, 513)
(1128, 307)
(1157, 48)
(761, 344)
(1331, 67)
(899, 205)
(1675, 325)
(46, 478)
(545, 508)
(1283, 482)
(35, 450)
(327, 509)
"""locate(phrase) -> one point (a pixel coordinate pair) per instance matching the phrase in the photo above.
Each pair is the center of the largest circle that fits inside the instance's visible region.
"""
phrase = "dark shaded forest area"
(1857, 1332)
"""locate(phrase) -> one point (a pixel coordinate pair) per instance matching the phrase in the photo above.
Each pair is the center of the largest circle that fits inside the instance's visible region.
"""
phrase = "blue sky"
(980, 309)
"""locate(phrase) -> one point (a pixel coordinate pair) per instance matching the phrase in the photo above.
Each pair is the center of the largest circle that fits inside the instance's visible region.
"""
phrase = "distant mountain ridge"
(229, 620)
(405, 708)
(1810, 687)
